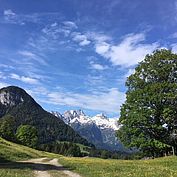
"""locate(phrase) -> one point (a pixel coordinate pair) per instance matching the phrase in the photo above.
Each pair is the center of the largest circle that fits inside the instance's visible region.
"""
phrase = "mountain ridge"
(18, 104)
(99, 130)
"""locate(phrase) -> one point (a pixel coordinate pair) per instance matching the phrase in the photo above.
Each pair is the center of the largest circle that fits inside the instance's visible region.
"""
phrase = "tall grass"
(11, 152)
(94, 167)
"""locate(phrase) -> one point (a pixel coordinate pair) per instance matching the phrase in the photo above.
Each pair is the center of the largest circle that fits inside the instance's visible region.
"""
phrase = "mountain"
(99, 130)
(21, 108)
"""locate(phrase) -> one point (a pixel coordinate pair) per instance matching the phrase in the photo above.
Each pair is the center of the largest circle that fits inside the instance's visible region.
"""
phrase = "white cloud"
(27, 54)
(12, 17)
(2, 75)
(21, 19)
(54, 24)
(130, 72)
(128, 52)
(84, 42)
(174, 35)
(97, 66)
(70, 25)
(55, 30)
(109, 101)
(52, 30)
(30, 55)
(174, 48)
(24, 79)
(80, 38)
(93, 81)
(9, 12)
(98, 37)
(102, 48)
(6, 66)
(2, 84)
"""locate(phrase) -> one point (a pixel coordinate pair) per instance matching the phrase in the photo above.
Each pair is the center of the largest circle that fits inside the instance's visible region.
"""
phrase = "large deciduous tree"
(149, 114)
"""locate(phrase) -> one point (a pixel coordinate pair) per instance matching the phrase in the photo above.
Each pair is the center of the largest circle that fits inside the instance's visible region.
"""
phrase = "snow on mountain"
(104, 122)
(101, 120)
(100, 130)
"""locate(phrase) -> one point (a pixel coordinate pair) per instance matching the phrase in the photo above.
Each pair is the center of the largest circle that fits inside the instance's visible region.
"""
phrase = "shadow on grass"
(32, 166)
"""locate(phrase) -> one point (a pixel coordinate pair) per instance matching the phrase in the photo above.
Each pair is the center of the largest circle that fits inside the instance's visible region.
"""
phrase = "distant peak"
(75, 113)
(102, 115)
(80, 112)
(57, 114)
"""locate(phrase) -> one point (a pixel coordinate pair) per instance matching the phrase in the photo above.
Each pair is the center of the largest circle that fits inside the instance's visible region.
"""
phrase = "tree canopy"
(27, 135)
(149, 115)
(7, 128)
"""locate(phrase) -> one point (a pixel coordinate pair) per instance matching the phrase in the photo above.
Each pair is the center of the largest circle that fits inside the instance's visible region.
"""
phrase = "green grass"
(94, 167)
(7, 170)
(11, 152)
(81, 146)
(87, 167)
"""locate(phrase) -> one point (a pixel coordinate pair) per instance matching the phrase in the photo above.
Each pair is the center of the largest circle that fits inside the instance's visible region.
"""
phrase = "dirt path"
(43, 165)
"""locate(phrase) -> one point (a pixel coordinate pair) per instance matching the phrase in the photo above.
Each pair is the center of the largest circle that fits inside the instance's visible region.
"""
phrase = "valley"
(88, 88)
(20, 161)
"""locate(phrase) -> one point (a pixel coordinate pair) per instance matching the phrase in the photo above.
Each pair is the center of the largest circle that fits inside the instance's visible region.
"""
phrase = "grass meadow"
(87, 167)
(94, 167)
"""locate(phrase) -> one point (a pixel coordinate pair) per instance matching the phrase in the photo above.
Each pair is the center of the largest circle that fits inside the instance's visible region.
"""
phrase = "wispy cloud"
(70, 25)
(3, 75)
(27, 54)
(55, 30)
(97, 66)
(24, 79)
(80, 38)
(3, 84)
(21, 19)
(174, 35)
(108, 101)
(174, 47)
(6, 66)
(12, 17)
(98, 37)
(9, 12)
(128, 52)
(32, 56)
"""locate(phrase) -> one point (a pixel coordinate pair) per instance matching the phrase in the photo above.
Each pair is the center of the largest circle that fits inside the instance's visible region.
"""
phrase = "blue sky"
(76, 54)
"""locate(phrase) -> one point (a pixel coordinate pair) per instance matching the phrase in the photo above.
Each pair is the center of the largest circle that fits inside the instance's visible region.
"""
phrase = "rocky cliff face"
(10, 99)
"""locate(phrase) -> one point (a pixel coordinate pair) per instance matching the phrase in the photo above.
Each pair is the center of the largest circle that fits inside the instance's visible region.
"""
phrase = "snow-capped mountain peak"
(101, 116)
(103, 122)
(100, 130)
(73, 113)
(82, 120)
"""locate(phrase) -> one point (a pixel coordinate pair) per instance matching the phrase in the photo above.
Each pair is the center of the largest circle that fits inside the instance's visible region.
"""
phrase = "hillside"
(87, 167)
(20, 161)
(21, 108)
(12, 152)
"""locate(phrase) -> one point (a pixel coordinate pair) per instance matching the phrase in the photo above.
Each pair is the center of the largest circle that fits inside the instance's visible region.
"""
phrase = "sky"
(77, 54)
